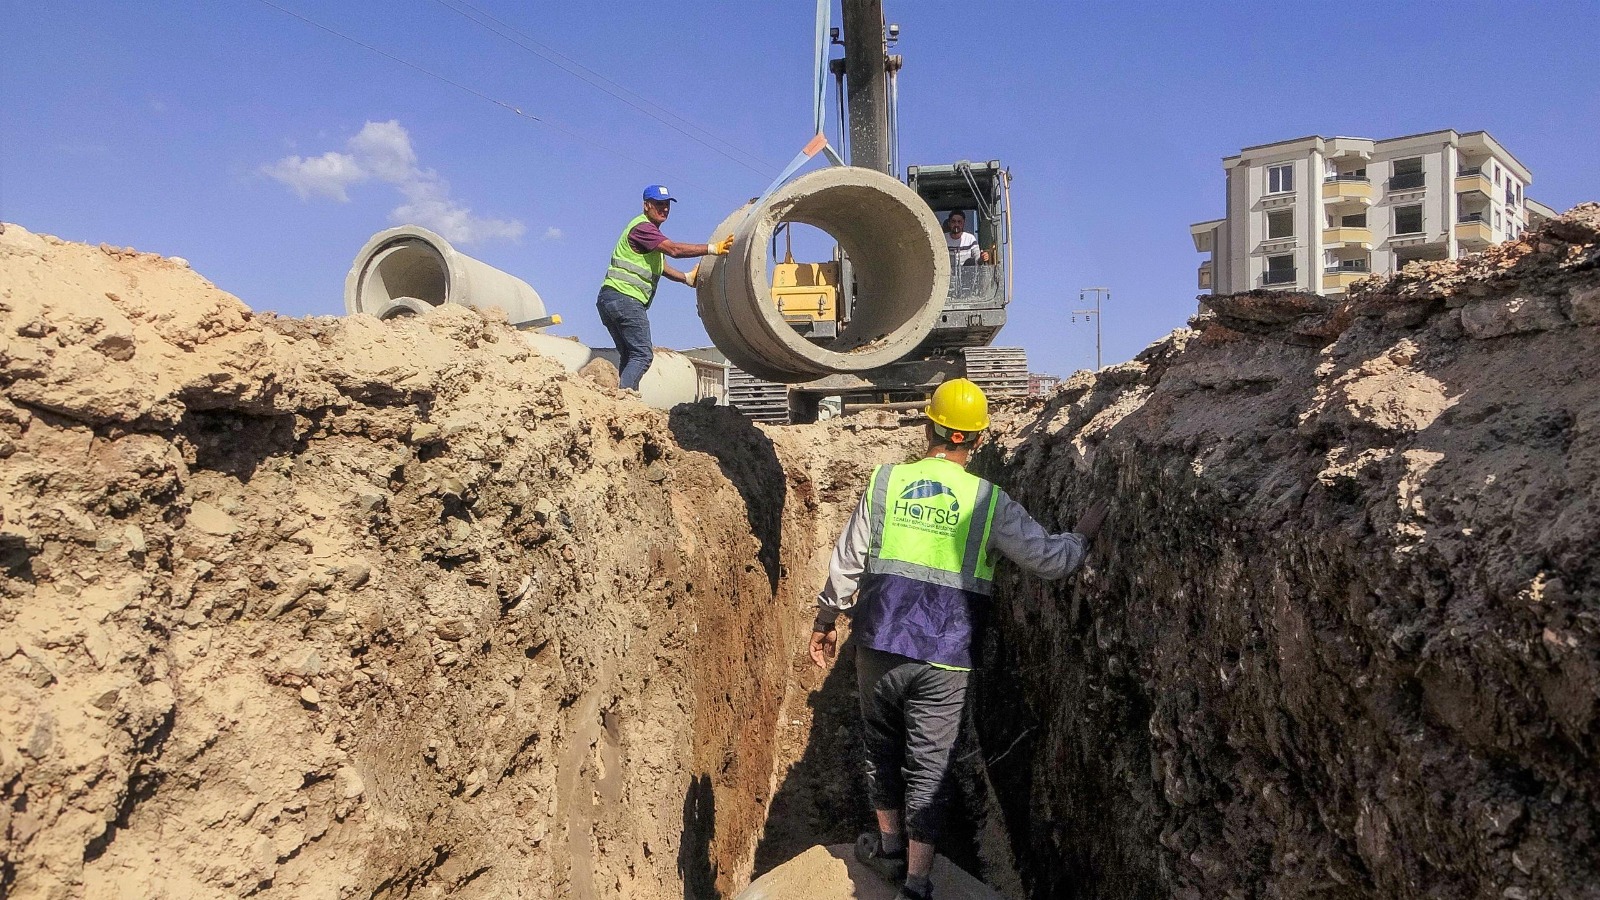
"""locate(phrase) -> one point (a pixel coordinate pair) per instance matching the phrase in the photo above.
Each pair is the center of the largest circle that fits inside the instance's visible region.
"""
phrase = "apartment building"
(1316, 214)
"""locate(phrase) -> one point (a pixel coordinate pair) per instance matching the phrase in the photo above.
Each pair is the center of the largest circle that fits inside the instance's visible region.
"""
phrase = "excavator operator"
(637, 264)
(912, 560)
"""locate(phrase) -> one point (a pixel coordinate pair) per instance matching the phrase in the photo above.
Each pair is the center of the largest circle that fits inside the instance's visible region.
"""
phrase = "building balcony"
(1204, 278)
(1279, 276)
(1473, 181)
(1340, 279)
(1346, 273)
(1411, 181)
(1349, 236)
(1416, 239)
(1347, 189)
(1473, 231)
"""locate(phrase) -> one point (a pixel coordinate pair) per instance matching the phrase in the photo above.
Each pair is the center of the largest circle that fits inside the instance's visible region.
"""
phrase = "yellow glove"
(720, 248)
(691, 276)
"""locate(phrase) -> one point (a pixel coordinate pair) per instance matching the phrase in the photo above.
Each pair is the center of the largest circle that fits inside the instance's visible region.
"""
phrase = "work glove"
(1093, 518)
(692, 276)
(720, 248)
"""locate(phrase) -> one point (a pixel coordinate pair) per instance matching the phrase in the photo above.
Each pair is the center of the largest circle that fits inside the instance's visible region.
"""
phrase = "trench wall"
(1340, 636)
(338, 608)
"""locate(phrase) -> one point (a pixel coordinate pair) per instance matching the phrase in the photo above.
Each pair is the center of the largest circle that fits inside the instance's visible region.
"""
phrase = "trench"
(402, 610)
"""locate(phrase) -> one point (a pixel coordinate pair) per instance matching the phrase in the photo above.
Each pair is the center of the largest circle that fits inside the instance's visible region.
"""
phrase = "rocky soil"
(334, 608)
(1341, 635)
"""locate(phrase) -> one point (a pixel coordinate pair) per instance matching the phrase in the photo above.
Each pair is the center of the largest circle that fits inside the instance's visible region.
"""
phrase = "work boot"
(870, 853)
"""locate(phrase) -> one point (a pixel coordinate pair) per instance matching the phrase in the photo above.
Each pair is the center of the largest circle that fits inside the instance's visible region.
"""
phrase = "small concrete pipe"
(404, 271)
(902, 274)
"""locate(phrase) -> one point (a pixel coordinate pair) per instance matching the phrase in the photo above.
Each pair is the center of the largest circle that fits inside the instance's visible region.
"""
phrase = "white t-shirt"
(962, 248)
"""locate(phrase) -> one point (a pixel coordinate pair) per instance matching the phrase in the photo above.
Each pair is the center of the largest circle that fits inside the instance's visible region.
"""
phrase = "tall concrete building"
(1315, 214)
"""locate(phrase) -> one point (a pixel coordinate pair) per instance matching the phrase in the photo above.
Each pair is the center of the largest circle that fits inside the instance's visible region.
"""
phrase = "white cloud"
(327, 175)
(383, 151)
(554, 234)
(428, 204)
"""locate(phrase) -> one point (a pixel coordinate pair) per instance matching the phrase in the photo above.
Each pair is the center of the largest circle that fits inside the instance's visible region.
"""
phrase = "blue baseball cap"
(658, 193)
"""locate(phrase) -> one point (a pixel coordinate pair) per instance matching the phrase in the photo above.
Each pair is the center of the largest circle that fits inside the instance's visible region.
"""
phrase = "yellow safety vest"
(633, 273)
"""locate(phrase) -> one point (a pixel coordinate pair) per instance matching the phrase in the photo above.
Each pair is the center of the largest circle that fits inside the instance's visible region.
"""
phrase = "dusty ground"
(332, 608)
(832, 873)
(1341, 636)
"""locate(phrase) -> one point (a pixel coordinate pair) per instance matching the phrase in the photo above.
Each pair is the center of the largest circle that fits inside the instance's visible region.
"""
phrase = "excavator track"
(762, 401)
(1002, 372)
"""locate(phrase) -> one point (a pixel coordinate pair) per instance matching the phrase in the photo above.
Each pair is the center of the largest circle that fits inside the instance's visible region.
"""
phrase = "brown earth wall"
(336, 608)
(1341, 635)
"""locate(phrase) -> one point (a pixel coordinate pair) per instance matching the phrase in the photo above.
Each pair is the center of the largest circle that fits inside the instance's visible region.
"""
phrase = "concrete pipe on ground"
(405, 270)
(902, 274)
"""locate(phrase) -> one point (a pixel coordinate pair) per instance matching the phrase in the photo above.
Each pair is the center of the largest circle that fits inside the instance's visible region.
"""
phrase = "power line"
(462, 87)
(638, 102)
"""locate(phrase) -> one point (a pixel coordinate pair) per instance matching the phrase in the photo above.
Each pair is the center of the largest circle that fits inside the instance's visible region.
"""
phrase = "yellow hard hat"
(959, 405)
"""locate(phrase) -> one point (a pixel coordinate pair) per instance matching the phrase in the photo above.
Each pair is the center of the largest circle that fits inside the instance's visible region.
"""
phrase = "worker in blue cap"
(637, 264)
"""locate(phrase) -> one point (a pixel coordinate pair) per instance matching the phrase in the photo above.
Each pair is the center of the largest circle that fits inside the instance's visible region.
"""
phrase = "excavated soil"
(337, 608)
(1341, 635)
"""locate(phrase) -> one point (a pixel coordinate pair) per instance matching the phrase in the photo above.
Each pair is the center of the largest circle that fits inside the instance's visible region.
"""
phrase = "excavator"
(817, 299)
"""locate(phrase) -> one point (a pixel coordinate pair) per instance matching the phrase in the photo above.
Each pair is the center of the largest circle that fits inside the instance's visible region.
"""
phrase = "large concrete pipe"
(902, 274)
(406, 270)
(672, 379)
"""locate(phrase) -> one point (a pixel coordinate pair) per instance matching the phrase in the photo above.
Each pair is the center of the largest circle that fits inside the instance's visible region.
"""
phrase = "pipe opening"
(408, 268)
(896, 260)
(878, 234)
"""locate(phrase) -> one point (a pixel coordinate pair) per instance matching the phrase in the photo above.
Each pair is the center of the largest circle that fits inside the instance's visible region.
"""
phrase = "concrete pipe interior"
(900, 267)
(407, 268)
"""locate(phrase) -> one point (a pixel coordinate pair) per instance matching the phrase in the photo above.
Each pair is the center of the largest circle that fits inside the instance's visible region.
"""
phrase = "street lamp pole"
(1099, 293)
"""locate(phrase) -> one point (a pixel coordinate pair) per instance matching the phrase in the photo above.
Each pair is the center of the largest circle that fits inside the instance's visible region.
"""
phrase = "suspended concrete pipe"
(902, 274)
(407, 270)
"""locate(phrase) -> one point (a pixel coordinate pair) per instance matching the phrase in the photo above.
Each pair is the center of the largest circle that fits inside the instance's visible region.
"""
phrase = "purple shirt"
(645, 237)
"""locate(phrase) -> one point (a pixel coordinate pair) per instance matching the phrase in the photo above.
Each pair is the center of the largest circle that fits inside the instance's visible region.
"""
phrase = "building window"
(1408, 219)
(1280, 269)
(1356, 221)
(1280, 224)
(1497, 220)
(1280, 179)
(1407, 174)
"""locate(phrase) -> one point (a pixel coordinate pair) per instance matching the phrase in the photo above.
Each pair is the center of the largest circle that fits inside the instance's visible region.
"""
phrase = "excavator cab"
(980, 289)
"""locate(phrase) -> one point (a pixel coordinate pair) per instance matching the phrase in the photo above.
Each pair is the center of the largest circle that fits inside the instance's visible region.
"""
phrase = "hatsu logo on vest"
(929, 502)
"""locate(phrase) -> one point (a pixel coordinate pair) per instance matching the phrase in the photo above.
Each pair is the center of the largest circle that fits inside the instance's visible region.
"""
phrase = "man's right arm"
(845, 567)
(646, 238)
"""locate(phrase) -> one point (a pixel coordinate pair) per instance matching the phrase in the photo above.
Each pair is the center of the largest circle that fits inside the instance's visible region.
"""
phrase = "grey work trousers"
(911, 713)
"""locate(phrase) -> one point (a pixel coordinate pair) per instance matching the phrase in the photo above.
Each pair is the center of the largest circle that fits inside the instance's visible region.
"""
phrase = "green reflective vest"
(930, 522)
(631, 272)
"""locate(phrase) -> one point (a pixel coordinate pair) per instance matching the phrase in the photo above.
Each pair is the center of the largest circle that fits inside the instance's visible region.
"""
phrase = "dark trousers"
(629, 325)
(911, 714)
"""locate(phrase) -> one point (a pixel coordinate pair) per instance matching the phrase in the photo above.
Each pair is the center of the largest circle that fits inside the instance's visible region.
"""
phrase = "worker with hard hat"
(915, 556)
(637, 264)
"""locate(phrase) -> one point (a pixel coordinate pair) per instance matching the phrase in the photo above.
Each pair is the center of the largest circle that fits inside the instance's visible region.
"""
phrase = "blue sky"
(161, 124)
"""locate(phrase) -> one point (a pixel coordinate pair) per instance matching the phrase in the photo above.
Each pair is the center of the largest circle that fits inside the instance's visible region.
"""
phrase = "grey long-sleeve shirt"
(1014, 533)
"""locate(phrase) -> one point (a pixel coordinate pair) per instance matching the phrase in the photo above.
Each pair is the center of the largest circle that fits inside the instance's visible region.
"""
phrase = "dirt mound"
(332, 607)
(1341, 635)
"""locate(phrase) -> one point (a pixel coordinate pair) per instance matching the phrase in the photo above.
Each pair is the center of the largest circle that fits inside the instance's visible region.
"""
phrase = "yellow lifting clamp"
(805, 292)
